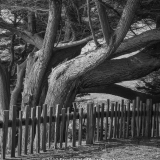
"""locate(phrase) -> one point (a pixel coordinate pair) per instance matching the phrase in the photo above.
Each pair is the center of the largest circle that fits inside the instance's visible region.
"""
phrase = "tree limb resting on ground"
(121, 91)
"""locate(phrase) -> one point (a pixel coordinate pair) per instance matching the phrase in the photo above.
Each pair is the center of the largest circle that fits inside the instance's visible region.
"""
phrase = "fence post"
(121, 121)
(153, 120)
(124, 120)
(94, 122)
(118, 119)
(38, 116)
(107, 115)
(148, 124)
(32, 133)
(50, 126)
(128, 119)
(157, 123)
(74, 126)
(80, 126)
(140, 118)
(90, 131)
(98, 117)
(133, 119)
(20, 134)
(158, 119)
(62, 126)
(143, 118)
(4, 133)
(87, 129)
(67, 124)
(26, 129)
(137, 114)
(115, 122)
(102, 118)
(13, 140)
(111, 121)
(44, 127)
(57, 126)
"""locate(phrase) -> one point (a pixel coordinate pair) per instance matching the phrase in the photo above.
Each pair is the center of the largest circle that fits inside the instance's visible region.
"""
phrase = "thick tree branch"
(115, 71)
(103, 17)
(90, 61)
(128, 46)
(121, 91)
(125, 22)
(90, 24)
(137, 42)
(17, 90)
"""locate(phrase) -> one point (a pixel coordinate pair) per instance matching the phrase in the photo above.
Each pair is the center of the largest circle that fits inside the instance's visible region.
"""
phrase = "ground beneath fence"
(117, 149)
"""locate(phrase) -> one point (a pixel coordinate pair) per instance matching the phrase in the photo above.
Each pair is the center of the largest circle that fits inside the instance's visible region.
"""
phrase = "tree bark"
(107, 73)
(4, 91)
(73, 18)
(106, 29)
(31, 22)
(121, 91)
(118, 70)
(34, 78)
(90, 24)
(65, 78)
(17, 90)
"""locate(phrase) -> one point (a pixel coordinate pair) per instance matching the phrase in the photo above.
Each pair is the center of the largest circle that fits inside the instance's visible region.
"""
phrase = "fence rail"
(102, 122)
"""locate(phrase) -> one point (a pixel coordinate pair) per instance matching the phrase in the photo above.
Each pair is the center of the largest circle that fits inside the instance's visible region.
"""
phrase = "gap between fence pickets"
(104, 121)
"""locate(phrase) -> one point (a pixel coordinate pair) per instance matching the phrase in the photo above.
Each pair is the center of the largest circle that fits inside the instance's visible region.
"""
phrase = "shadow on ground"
(118, 149)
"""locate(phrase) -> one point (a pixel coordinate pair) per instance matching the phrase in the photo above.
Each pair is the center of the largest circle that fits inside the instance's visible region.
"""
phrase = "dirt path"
(122, 149)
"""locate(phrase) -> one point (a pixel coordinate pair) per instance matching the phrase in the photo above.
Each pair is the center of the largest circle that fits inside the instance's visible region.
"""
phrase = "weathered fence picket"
(107, 115)
(32, 133)
(156, 119)
(124, 121)
(128, 120)
(94, 123)
(115, 122)
(121, 120)
(118, 120)
(140, 119)
(20, 134)
(133, 119)
(153, 120)
(90, 124)
(137, 116)
(143, 119)
(111, 122)
(67, 124)
(62, 127)
(26, 129)
(38, 114)
(74, 127)
(13, 144)
(102, 119)
(98, 119)
(80, 126)
(4, 133)
(57, 121)
(50, 126)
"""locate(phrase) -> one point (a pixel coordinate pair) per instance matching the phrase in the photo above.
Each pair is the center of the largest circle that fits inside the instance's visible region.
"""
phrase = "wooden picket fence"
(103, 122)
